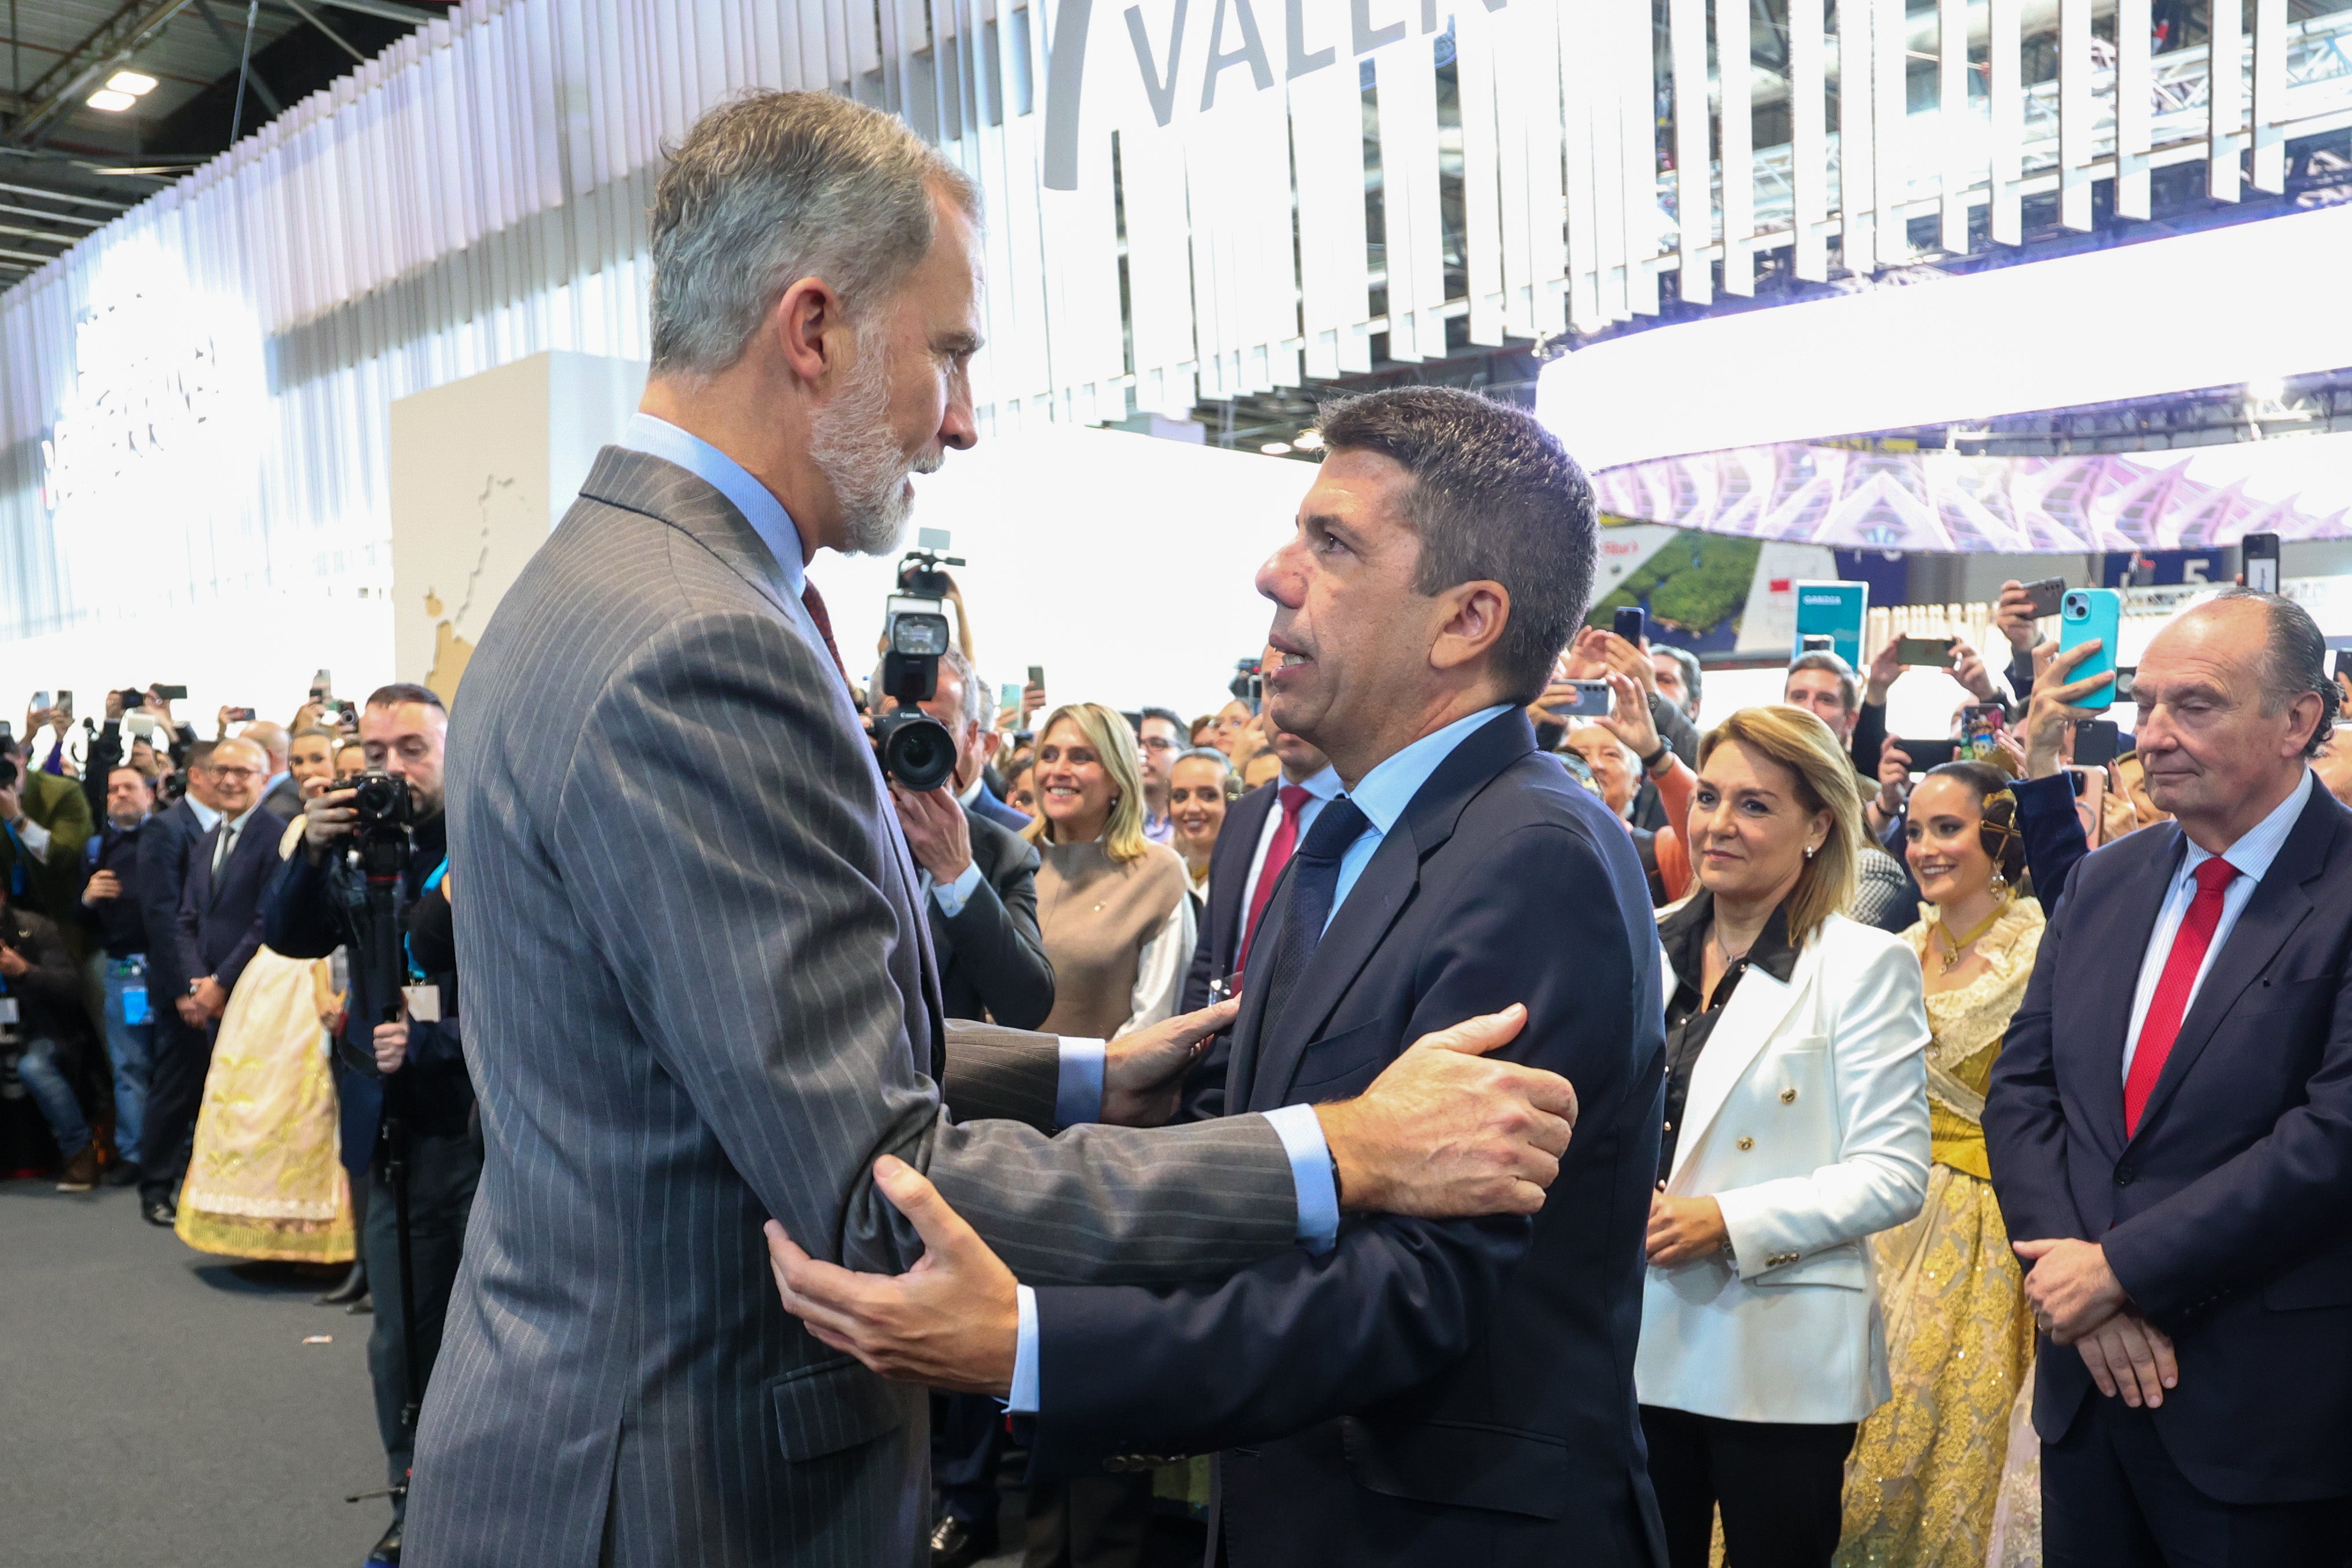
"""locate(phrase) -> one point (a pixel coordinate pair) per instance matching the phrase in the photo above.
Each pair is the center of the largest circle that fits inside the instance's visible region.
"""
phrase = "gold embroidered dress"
(1936, 1478)
(264, 1174)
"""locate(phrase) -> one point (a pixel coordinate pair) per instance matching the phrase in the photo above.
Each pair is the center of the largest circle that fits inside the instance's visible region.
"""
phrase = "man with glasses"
(1160, 737)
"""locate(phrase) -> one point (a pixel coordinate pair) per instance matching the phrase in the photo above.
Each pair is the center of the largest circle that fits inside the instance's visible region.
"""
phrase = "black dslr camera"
(380, 801)
(916, 749)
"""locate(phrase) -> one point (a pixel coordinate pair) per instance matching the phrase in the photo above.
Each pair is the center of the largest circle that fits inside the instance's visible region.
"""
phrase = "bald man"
(227, 866)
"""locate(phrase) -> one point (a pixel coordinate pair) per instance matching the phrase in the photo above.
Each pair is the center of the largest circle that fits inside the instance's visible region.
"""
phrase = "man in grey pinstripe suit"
(700, 988)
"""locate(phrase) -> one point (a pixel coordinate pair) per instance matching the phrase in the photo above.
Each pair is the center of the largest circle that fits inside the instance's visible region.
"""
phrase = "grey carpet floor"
(157, 1405)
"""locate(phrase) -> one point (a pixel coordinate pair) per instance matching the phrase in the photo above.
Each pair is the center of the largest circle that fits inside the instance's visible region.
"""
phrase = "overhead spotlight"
(112, 101)
(1310, 441)
(1276, 448)
(2268, 389)
(138, 84)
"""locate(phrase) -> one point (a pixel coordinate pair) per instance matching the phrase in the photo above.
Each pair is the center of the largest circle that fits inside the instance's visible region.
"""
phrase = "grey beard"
(851, 444)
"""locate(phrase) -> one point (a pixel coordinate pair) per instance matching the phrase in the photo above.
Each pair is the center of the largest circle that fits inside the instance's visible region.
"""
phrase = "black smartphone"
(2096, 743)
(64, 702)
(172, 693)
(1592, 700)
(2046, 594)
(240, 715)
(1633, 624)
(1926, 755)
(1817, 642)
(2122, 686)
(2259, 555)
(1037, 675)
(1933, 651)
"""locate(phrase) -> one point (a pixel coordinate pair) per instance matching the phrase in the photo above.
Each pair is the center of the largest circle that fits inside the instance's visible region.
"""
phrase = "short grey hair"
(772, 187)
(2295, 660)
(975, 694)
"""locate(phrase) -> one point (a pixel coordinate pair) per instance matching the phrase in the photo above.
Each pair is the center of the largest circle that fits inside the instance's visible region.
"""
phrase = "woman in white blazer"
(1796, 1125)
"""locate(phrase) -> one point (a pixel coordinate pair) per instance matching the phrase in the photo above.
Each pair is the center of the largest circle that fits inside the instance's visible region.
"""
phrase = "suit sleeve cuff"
(1022, 1398)
(36, 837)
(951, 897)
(1078, 1093)
(1310, 1174)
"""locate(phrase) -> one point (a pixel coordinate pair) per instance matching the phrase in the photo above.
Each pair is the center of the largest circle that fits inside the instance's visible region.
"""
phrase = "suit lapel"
(2278, 906)
(1759, 1006)
(2113, 980)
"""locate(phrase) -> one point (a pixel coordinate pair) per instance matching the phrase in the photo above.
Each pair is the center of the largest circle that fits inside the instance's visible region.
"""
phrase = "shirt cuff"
(1022, 1398)
(35, 835)
(951, 897)
(1311, 1172)
(1078, 1093)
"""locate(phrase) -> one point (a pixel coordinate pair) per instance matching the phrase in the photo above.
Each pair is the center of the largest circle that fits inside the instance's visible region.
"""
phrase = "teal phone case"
(2085, 614)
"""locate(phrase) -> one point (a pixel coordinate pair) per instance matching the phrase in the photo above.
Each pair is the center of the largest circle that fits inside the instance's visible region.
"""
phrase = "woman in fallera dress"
(1945, 1474)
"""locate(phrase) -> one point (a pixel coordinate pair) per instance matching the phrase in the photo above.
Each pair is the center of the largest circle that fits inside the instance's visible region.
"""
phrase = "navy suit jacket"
(220, 917)
(2224, 1215)
(163, 843)
(1425, 1392)
(1229, 863)
(985, 804)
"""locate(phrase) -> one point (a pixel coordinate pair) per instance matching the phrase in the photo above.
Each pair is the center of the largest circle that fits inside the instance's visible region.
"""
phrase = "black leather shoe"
(353, 1287)
(362, 1307)
(160, 1212)
(955, 1544)
(385, 1553)
(122, 1173)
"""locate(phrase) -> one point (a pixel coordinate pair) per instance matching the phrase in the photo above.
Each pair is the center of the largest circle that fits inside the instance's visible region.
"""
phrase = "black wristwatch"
(1650, 763)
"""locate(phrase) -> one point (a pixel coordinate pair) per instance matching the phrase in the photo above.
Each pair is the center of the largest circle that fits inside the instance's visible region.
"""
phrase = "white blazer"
(1807, 1122)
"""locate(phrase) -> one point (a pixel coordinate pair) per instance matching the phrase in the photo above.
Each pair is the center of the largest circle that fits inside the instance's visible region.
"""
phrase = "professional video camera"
(916, 749)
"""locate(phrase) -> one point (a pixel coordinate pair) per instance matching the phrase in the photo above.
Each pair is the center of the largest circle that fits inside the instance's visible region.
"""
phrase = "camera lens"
(918, 752)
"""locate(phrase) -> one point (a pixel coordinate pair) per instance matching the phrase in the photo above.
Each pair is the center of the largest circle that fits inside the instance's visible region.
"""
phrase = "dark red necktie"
(2170, 1003)
(1294, 798)
(814, 601)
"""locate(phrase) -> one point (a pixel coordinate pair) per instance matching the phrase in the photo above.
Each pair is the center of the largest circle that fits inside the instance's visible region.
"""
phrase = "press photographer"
(399, 1057)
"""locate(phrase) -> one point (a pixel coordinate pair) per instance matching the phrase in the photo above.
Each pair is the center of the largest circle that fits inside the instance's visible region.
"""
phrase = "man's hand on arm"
(2131, 1356)
(2069, 1287)
(1444, 1132)
(952, 1320)
(1143, 1072)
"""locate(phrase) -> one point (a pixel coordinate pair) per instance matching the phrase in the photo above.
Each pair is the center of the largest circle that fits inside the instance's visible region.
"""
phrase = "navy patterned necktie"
(1314, 882)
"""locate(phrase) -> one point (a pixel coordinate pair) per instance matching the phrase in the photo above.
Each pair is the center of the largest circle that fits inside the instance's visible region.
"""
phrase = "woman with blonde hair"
(1795, 1127)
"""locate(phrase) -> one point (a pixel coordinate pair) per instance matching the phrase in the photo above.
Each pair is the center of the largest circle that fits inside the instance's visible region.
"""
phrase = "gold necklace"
(1952, 949)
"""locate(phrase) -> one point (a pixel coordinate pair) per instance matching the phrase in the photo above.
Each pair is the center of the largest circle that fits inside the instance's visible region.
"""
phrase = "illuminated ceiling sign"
(1174, 58)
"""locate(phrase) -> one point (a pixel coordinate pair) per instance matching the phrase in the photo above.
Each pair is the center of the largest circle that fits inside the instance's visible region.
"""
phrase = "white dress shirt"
(2251, 855)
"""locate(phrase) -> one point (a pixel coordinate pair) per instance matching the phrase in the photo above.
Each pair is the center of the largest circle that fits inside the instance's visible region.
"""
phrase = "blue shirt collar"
(206, 814)
(1324, 786)
(758, 503)
(2260, 843)
(1384, 792)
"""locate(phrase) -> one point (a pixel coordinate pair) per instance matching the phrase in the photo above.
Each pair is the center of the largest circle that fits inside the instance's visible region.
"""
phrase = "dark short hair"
(2295, 660)
(401, 692)
(1849, 689)
(126, 768)
(1175, 723)
(1495, 497)
(1693, 680)
(199, 754)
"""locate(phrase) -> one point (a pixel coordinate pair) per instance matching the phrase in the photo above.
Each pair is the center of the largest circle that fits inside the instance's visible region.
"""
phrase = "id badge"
(7, 1010)
(423, 1003)
(134, 1006)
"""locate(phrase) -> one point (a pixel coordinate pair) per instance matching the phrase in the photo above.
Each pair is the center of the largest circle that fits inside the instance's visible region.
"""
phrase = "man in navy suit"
(2169, 1125)
(1423, 1392)
(176, 1079)
(227, 870)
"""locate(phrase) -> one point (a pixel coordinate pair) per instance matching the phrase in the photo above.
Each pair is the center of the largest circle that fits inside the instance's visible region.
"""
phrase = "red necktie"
(814, 601)
(2164, 1009)
(1294, 798)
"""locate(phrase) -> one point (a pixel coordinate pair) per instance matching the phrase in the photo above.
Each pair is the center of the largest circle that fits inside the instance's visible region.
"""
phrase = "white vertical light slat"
(1482, 174)
(2075, 107)
(1857, 199)
(2004, 83)
(1516, 126)
(1738, 130)
(1693, 203)
(1159, 275)
(1890, 112)
(1809, 140)
(1270, 269)
(1325, 125)
(2135, 90)
(1956, 124)
(1214, 307)
(2225, 99)
(1405, 82)
(1535, 116)
(1637, 103)
(1578, 156)
(1605, 83)
(2269, 172)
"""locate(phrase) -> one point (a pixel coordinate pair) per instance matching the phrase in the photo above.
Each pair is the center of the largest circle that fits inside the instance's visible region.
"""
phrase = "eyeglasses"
(239, 773)
(1157, 743)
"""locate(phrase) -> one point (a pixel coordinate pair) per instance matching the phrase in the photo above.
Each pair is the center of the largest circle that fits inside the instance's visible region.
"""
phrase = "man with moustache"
(1424, 1392)
(700, 988)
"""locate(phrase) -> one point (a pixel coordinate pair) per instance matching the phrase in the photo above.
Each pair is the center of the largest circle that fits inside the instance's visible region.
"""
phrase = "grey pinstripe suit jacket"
(699, 992)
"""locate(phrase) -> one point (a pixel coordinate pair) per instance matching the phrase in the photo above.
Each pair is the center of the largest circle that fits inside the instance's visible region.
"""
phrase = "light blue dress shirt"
(2251, 855)
(1381, 795)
